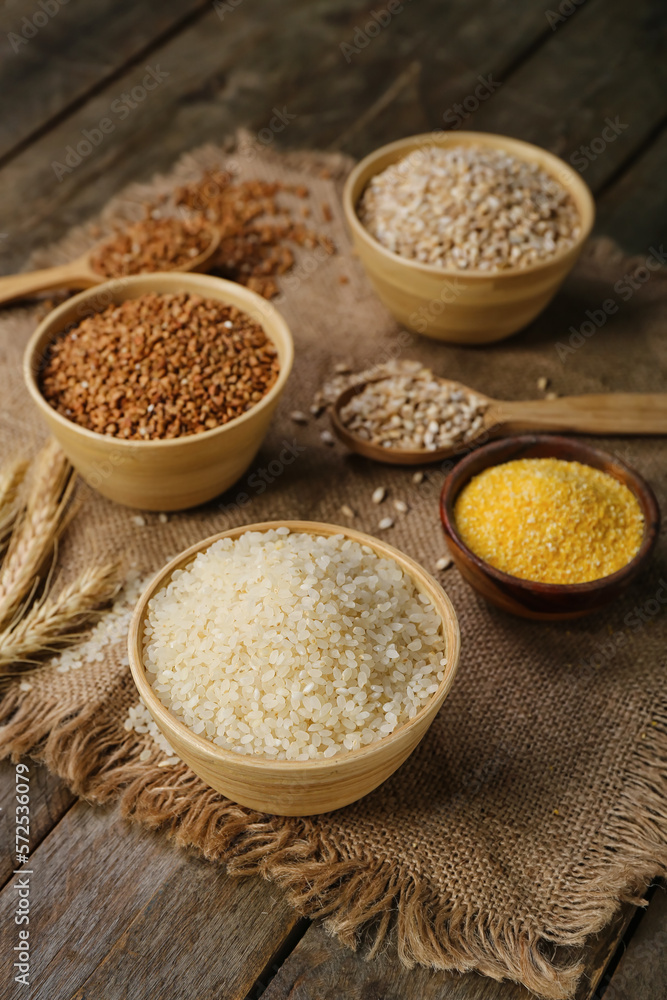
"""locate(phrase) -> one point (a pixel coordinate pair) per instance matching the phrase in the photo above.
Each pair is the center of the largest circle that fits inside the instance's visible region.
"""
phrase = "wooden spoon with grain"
(80, 273)
(599, 413)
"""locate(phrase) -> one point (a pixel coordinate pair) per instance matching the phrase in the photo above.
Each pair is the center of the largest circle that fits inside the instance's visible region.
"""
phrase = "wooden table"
(120, 913)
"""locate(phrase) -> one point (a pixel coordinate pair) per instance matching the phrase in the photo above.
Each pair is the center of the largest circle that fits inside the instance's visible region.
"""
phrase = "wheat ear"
(55, 621)
(36, 530)
(11, 476)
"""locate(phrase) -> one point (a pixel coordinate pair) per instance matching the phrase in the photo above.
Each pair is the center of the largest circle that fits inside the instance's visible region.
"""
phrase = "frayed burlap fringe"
(355, 894)
(360, 894)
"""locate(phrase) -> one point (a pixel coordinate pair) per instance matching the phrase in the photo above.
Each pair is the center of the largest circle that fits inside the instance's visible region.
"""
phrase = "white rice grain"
(293, 645)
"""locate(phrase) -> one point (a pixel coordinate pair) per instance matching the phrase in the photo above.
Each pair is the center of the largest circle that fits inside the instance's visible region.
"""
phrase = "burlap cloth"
(538, 799)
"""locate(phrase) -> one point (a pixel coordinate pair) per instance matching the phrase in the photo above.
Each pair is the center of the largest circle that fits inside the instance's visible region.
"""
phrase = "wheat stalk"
(11, 476)
(36, 530)
(54, 621)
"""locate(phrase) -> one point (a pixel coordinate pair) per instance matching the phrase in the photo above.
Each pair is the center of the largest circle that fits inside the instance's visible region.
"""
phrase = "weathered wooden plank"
(601, 950)
(633, 211)
(212, 934)
(184, 108)
(49, 801)
(53, 54)
(605, 65)
(118, 911)
(642, 971)
(90, 876)
(408, 77)
(320, 968)
(213, 83)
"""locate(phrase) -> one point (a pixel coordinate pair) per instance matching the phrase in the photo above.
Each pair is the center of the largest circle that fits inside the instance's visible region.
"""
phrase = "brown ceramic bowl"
(546, 601)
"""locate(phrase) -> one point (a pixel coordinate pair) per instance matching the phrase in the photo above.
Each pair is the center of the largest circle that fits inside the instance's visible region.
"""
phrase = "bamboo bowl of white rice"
(293, 665)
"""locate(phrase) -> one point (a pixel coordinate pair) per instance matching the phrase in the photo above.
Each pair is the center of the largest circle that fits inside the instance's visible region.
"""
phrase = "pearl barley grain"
(293, 645)
(414, 412)
(469, 207)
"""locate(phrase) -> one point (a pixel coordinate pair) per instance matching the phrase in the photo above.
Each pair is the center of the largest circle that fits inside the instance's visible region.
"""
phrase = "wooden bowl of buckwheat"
(160, 387)
(466, 236)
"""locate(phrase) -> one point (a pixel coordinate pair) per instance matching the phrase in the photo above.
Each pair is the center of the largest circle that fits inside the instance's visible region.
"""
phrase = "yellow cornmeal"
(550, 521)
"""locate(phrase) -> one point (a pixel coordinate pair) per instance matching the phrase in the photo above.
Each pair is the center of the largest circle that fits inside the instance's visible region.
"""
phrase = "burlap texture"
(538, 799)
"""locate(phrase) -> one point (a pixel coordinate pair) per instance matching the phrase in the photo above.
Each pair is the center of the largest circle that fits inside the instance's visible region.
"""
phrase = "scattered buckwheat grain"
(259, 233)
(152, 244)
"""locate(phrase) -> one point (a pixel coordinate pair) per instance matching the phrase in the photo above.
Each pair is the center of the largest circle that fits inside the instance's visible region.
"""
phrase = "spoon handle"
(22, 286)
(606, 413)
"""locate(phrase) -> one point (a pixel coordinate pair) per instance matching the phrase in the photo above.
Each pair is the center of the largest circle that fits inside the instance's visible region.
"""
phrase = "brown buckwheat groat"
(152, 244)
(160, 366)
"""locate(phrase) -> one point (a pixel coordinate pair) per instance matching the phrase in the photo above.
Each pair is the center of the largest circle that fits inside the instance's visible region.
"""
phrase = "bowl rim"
(196, 282)
(447, 137)
(460, 477)
(423, 580)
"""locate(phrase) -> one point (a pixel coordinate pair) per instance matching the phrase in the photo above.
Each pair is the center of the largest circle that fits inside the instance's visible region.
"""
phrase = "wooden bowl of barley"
(468, 303)
(161, 474)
